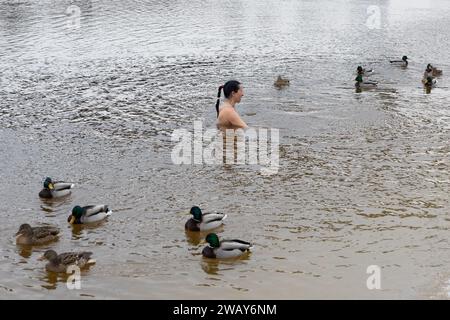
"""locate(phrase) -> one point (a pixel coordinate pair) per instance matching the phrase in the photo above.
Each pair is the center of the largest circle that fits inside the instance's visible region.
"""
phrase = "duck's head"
(77, 212)
(404, 58)
(213, 240)
(197, 213)
(24, 229)
(49, 255)
(48, 184)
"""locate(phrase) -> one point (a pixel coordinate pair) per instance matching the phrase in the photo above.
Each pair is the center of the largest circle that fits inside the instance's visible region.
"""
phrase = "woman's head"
(232, 90)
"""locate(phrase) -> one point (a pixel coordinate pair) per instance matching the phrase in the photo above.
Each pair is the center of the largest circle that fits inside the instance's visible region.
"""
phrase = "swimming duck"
(55, 189)
(204, 221)
(428, 79)
(431, 71)
(429, 82)
(60, 263)
(37, 235)
(403, 62)
(89, 214)
(428, 72)
(224, 249)
(280, 82)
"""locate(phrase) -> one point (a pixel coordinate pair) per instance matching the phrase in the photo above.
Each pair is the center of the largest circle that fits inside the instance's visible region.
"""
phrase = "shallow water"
(363, 178)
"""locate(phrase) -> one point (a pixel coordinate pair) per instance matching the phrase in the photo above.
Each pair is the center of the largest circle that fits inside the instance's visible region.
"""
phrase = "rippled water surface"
(90, 92)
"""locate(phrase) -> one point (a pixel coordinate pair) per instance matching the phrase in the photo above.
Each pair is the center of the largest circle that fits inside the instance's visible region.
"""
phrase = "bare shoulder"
(226, 113)
(226, 110)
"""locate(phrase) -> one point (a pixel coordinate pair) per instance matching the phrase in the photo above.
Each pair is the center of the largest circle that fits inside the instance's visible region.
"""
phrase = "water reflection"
(80, 231)
(102, 101)
(196, 238)
(50, 205)
(52, 279)
(217, 266)
(428, 89)
(25, 251)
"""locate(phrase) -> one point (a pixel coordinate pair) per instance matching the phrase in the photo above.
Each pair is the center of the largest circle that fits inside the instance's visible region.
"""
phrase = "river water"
(91, 91)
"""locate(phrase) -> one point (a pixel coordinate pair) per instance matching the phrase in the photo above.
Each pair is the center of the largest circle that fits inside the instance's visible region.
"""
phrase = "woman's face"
(238, 94)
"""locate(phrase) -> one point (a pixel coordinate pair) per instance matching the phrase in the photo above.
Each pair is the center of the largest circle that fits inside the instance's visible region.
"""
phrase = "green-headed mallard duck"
(37, 235)
(280, 82)
(224, 249)
(60, 263)
(55, 189)
(89, 214)
(403, 62)
(429, 82)
(204, 221)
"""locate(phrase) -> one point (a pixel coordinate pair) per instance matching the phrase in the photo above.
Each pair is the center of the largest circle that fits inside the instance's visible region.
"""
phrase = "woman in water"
(227, 116)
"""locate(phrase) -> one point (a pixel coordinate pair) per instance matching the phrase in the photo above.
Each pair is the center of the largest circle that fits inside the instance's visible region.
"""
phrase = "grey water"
(91, 91)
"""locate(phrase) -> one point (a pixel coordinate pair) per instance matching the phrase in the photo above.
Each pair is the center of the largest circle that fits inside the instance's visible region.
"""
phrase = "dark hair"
(228, 88)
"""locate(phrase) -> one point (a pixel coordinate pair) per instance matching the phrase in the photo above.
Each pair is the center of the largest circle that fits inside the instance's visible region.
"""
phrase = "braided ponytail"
(218, 100)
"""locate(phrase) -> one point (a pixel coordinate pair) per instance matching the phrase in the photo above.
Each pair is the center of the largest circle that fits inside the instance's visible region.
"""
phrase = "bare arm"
(236, 120)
